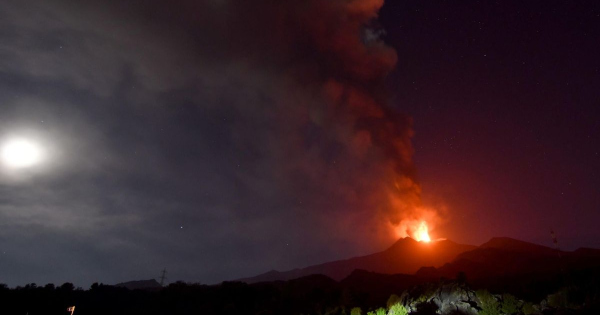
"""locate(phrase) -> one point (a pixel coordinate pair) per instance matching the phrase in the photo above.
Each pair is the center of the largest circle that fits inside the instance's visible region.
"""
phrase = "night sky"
(220, 139)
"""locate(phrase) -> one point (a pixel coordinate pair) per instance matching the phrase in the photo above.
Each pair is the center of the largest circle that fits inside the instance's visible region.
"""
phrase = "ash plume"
(354, 145)
(322, 65)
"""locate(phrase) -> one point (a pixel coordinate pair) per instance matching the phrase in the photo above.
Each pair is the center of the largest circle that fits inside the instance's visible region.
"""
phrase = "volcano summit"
(405, 256)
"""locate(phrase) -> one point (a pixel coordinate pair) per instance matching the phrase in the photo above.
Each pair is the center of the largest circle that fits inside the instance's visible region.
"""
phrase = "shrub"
(67, 286)
(558, 299)
(393, 300)
(426, 293)
(528, 309)
(489, 305)
(398, 309)
(380, 311)
(509, 305)
(356, 311)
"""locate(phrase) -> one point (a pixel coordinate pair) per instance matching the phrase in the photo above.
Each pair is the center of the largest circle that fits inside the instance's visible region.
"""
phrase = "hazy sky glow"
(222, 139)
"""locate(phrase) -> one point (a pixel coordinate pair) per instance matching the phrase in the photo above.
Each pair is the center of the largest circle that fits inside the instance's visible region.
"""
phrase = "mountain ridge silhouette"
(405, 256)
(498, 257)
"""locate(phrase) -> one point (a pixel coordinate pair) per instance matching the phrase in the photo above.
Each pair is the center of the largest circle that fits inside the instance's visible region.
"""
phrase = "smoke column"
(339, 42)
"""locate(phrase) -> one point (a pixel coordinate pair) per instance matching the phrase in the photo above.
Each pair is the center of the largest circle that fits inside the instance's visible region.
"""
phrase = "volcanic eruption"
(375, 174)
(422, 233)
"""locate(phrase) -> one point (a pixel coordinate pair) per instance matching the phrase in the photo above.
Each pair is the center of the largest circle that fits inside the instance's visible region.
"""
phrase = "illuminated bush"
(397, 309)
(356, 311)
(489, 305)
(380, 311)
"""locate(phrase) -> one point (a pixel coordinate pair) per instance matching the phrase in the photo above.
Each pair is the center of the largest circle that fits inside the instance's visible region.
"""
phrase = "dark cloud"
(215, 138)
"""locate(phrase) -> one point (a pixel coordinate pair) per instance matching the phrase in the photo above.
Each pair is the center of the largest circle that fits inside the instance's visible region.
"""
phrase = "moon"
(20, 153)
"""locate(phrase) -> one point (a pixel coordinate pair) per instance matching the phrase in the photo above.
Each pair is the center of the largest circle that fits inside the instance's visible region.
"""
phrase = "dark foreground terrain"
(502, 276)
(312, 295)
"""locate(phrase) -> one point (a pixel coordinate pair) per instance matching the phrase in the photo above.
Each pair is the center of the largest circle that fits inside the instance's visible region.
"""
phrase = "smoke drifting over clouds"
(216, 138)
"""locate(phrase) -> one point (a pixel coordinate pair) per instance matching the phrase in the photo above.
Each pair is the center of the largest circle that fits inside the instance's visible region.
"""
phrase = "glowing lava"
(415, 229)
(421, 233)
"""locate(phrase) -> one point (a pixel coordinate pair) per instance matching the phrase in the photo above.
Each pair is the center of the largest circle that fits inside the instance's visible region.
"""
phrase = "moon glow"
(21, 153)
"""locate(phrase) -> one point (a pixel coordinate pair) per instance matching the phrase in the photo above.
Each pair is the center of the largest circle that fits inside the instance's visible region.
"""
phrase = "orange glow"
(421, 233)
(416, 229)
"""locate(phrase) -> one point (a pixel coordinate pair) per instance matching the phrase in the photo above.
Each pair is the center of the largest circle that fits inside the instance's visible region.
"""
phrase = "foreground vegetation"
(310, 295)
